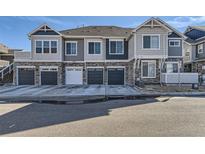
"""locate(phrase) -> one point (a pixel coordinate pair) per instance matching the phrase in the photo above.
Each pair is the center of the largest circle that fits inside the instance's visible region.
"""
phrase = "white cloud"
(183, 22)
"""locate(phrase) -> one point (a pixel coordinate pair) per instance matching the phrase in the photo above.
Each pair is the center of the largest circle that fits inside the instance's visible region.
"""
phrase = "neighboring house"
(6, 55)
(194, 59)
(100, 55)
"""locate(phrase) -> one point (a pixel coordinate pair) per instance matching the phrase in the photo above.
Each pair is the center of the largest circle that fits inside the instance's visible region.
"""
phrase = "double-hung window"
(148, 69)
(174, 43)
(116, 47)
(53, 46)
(151, 42)
(46, 46)
(71, 48)
(200, 48)
(94, 47)
(39, 48)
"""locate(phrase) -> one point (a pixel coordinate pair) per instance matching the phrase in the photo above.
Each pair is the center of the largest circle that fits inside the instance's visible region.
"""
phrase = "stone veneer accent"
(61, 70)
(37, 70)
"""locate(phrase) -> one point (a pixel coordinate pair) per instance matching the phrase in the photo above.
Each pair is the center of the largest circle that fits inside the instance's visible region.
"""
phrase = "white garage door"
(74, 75)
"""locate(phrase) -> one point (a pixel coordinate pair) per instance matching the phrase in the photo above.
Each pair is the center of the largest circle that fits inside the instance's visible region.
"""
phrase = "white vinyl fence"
(176, 78)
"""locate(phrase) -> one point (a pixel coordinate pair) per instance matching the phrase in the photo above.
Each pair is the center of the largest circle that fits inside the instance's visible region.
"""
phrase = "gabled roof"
(98, 31)
(160, 22)
(43, 27)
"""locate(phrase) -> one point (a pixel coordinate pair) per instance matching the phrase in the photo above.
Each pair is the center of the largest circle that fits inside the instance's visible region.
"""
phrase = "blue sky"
(14, 29)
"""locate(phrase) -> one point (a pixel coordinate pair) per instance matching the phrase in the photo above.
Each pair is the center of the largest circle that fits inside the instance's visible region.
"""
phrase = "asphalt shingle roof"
(99, 31)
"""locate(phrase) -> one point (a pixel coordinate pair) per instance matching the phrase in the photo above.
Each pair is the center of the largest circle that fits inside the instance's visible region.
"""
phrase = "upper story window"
(94, 47)
(43, 46)
(71, 48)
(151, 42)
(53, 46)
(39, 47)
(200, 48)
(116, 47)
(174, 43)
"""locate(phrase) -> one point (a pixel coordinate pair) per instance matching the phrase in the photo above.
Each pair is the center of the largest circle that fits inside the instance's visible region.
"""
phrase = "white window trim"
(43, 48)
(149, 61)
(123, 49)
(76, 42)
(174, 62)
(150, 42)
(172, 40)
(48, 68)
(94, 41)
(198, 48)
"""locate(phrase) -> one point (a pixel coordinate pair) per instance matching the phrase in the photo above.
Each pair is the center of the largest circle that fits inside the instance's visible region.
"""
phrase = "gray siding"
(175, 51)
(80, 50)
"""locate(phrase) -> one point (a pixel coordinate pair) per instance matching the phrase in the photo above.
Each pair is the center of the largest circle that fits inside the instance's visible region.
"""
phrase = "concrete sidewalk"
(65, 92)
(80, 93)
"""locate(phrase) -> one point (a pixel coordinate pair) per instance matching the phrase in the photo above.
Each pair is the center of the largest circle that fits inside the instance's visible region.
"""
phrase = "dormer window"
(200, 48)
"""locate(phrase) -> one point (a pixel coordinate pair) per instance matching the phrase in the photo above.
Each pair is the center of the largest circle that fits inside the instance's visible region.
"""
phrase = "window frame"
(36, 46)
(150, 41)
(155, 72)
(94, 41)
(42, 46)
(174, 40)
(116, 40)
(67, 54)
(172, 63)
(201, 49)
(51, 46)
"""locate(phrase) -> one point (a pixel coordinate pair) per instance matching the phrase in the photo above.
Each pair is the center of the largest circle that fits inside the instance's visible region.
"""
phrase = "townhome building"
(107, 55)
(194, 59)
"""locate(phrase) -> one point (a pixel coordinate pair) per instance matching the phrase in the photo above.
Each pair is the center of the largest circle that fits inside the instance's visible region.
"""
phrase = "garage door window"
(148, 69)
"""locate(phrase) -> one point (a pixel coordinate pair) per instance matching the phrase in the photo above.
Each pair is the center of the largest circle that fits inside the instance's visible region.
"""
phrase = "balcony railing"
(179, 78)
(22, 55)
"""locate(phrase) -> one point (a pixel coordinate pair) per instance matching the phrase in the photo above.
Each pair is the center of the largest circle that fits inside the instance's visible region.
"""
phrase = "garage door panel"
(26, 76)
(48, 78)
(95, 76)
(116, 76)
(74, 76)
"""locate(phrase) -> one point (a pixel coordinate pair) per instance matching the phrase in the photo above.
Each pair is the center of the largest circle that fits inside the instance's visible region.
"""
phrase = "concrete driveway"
(74, 91)
(142, 117)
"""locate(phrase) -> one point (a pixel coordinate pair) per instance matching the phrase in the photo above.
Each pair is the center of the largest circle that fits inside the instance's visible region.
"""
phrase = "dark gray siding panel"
(119, 57)
(45, 33)
(48, 78)
(95, 76)
(80, 50)
(175, 51)
(116, 76)
(26, 76)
